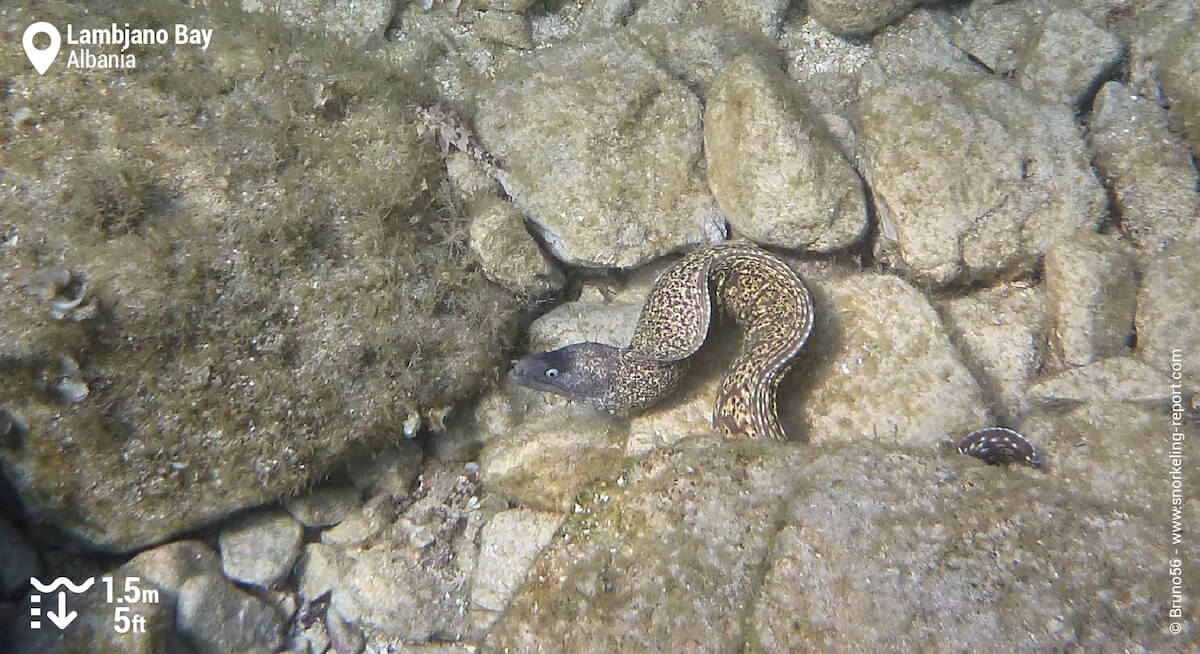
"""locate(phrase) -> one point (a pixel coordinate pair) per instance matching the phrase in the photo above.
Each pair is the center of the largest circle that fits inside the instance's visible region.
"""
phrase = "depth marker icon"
(41, 59)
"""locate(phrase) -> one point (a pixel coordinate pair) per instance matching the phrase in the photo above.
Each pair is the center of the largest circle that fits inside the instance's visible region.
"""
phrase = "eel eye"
(552, 372)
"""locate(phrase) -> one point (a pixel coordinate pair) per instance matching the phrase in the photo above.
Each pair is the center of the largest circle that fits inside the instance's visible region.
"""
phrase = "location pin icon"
(41, 59)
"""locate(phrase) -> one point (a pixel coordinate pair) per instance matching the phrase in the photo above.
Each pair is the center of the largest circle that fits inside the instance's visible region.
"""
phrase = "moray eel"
(767, 299)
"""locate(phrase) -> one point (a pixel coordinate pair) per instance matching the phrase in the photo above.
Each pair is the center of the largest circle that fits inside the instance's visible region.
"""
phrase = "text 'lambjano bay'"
(126, 36)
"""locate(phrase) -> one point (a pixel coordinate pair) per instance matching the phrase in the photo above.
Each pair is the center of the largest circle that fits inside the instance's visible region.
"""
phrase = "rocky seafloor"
(255, 313)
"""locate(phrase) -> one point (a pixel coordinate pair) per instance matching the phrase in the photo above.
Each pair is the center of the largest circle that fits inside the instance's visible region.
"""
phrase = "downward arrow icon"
(62, 618)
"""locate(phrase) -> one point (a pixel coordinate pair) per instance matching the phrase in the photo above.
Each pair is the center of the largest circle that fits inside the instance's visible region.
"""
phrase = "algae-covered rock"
(1051, 49)
(695, 50)
(858, 18)
(773, 167)
(508, 253)
(1091, 294)
(508, 545)
(211, 290)
(1108, 381)
(215, 616)
(357, 22)
(1179, 78)
(505, 28)
(1068, 59)
(409, 580)
(1149, 168)
(1167, 329)
(994, 33)
(323, 507)
(972, 179)
(720, 545)
(603, 150)
(879, 367)
(1001, 333)
(544, 461)
(826, 66)
(918, 553)
(260, 547)
(663, 556)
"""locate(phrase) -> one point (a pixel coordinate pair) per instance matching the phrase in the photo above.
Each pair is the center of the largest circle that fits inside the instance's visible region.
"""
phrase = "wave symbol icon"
(62, 581)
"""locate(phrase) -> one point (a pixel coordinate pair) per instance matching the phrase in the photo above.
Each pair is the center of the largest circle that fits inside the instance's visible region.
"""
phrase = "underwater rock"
(964, 543)
(859, 17)
(508, 545)
(1179, 77)
(1148, 167)
(320, 569)
(517, 6)
(1001, 334)
(169, 566)
(719, 530)
(1050, 49)
(772, 166)
(509, 254)
(826, 67)
(877, 337)
(324, 506)
(663, 556)
(285, 282)
(356, 22)
(505, 28)
(757, 17)
(343, 636)
(1166, 314)
(693, 50)
(1111, 380)
(1091, 295)
(997, 33)
(410, 579)
(603, 150)
(215, 617)
(1068, 59)
(387, 470)
(543, 461)
(259, 548)
(1113, 449)
(972, 179)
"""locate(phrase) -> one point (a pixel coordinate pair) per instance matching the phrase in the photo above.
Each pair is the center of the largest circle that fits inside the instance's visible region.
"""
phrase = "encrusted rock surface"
(880, 367)
(1148, 167)
(1051, 49)
(1091, 295)
(215, 617)
(1001, 333)
(851, 18)
(235, 279)
(608, 164)
(1168, 334)
(773, 167)
(324, 506)
(259, 548)
(972, 178)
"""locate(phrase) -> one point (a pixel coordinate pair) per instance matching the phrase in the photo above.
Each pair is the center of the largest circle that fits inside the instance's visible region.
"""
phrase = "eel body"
(767, 299)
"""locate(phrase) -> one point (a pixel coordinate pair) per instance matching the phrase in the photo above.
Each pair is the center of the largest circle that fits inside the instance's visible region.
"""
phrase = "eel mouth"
(526, 372)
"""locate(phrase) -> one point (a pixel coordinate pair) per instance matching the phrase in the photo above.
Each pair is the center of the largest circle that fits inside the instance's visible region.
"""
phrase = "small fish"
(999, 445)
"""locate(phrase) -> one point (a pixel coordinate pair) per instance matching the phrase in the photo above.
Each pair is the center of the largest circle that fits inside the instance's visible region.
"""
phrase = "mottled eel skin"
(766, 298)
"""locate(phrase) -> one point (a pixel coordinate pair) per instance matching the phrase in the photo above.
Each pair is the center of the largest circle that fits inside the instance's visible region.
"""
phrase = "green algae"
(274, 272)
